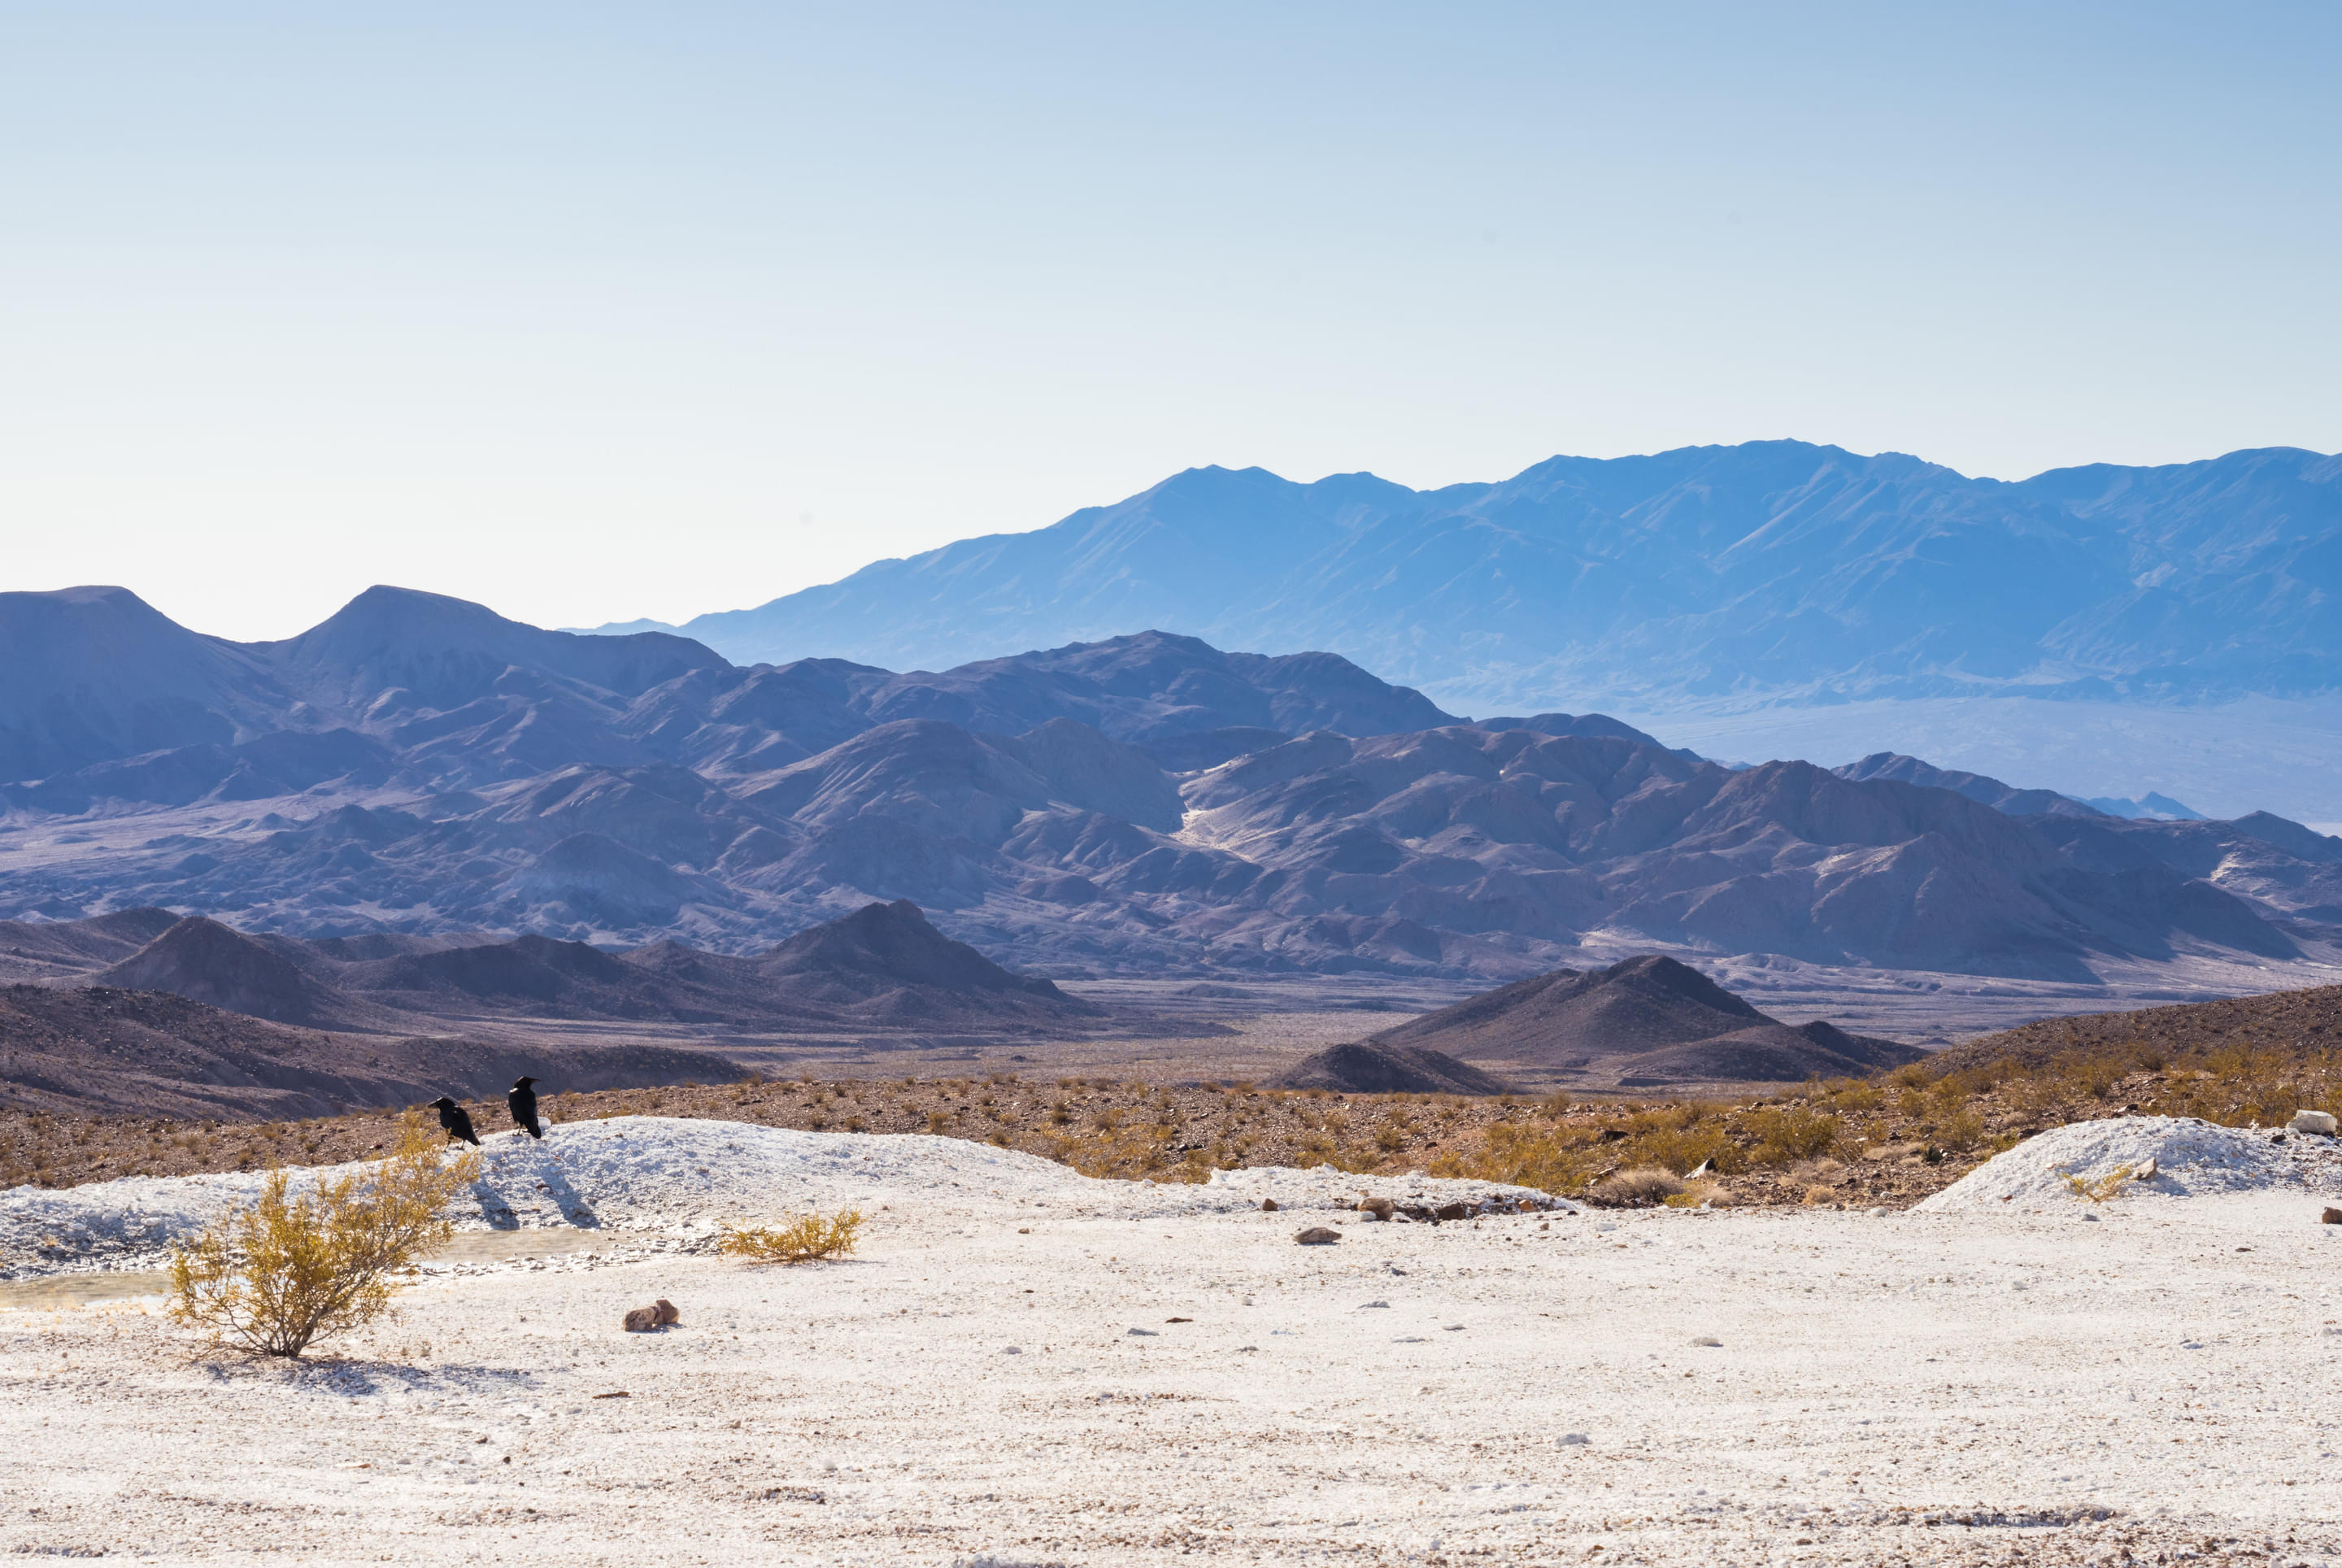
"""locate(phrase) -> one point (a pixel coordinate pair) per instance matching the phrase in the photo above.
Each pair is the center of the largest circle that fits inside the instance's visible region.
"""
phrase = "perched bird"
(523, 1100)
(452, 1118)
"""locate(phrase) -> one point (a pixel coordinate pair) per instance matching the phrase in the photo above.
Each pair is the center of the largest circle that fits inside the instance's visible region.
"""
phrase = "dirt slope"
(153, 1053)
(2301, 1027)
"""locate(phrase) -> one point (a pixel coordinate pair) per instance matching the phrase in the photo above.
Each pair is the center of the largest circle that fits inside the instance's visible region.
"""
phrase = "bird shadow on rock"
(575, 1206)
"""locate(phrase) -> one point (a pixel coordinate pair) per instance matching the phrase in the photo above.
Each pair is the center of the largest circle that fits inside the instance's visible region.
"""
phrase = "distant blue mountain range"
(1772, 570)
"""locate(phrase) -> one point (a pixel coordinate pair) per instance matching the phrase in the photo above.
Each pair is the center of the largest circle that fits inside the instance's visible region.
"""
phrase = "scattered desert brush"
(1703, 1193)
(2101, 1189)
(1637, 1189)
(802, 1241)
(277, 1276)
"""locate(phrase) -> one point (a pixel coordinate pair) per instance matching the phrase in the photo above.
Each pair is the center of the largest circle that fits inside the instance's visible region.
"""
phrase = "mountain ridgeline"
(418, 771)
(1771, 566)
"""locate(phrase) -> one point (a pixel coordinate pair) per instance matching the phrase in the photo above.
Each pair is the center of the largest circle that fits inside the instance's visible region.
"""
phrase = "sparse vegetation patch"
(277, 1276)
(802, 1241)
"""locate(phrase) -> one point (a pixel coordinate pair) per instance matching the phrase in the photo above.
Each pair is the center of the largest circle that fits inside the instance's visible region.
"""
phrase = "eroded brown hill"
(883, 966)
(154, 1054)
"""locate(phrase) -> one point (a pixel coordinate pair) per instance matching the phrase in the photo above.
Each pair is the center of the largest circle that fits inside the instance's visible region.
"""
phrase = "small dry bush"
(1787, 1134)
(1676, 1138)
(1700, 1194)
(1857, 1096)
(1129, 1154)
(1637, 1189)
(802, 1241)
(1963, 1128)
(2101, 1189)
(279, 1275)
(1551, 1161)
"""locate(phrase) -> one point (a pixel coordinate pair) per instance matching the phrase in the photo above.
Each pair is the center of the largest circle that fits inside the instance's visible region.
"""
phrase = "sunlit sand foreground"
(1013, 1370)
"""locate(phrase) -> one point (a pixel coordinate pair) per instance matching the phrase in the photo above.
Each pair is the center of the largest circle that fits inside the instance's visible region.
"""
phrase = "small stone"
(642, 1320)
(2312, 1121)
(1574, 1439)
(1710, 1341)
(1141, 1334)
(2330, 1216)
(1380, 1208)
(1372, 1305)
(1013, 1351)
(666, 1312)
(1269, 1205)
(2089, 1216)
(1317, 1236)
(1454, 1211)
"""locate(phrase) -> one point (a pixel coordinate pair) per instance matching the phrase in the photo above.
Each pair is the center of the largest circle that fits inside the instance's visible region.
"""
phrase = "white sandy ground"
(2001, 1383)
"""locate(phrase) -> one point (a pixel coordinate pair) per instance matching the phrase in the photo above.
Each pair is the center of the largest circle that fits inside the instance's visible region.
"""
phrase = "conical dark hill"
(1638, 1005)
(1369, 1069)
(885, 961)
(208, 962)
(1647, 1021)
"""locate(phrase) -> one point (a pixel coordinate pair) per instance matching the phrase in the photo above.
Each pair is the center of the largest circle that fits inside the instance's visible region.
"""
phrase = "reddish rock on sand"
(642, 1320)
(1317, 1236)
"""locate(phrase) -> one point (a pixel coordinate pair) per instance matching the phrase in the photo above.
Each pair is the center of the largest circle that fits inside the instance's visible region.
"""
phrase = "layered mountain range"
(883, 966)
(147, 1012)
(421, 768)
(1769, 568)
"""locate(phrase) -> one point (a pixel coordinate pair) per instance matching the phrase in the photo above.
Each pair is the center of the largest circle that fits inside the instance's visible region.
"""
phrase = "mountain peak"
(450, 651)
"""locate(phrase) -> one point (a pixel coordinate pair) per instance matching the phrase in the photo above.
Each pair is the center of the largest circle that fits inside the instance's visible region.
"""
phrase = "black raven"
(452, 1118)
(523, 1100)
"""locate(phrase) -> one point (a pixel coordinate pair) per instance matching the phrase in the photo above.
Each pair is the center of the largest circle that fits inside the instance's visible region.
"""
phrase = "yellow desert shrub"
(1787, 1134)
(801, 1241)
(281, 1273)
(1638, 1188)
(1551, 1160)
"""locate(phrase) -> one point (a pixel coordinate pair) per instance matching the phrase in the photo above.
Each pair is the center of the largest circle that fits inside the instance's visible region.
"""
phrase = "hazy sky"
(597, 311)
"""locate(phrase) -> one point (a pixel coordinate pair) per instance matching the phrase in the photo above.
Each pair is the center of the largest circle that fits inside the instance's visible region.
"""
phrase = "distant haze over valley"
(2140, 630)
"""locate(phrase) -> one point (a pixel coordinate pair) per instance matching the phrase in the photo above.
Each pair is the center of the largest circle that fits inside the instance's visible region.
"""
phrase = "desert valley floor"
(1023, 1366)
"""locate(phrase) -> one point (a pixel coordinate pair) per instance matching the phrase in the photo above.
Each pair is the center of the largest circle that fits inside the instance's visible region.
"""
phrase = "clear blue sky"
(596, 311)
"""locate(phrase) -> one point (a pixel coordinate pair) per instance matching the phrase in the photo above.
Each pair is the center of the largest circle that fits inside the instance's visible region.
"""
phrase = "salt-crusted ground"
(2006, 1382)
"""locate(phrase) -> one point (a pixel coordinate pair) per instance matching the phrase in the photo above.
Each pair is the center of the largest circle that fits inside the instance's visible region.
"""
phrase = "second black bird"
(452, 1118)
(523, 1100)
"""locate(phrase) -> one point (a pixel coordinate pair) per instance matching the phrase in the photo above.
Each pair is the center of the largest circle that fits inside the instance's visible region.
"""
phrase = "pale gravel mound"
(685, 1176)
(2192, 1158)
